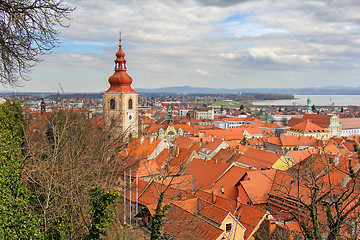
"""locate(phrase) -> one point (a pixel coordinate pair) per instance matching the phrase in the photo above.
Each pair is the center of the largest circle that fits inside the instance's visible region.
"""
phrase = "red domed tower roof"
(120, 81)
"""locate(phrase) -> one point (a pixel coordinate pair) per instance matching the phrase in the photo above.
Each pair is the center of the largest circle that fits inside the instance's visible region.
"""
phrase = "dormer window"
(112, 104)
(228, 227)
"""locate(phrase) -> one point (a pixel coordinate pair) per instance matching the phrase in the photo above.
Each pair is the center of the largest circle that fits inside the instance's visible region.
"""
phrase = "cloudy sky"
(206, 43)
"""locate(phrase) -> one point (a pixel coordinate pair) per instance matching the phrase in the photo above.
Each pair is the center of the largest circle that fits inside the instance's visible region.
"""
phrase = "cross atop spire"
(120, 36)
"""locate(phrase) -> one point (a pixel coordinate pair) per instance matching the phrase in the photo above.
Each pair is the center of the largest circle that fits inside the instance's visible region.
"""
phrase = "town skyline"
(242, 44)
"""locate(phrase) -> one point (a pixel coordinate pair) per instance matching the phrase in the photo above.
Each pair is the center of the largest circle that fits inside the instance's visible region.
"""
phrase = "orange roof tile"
(290, 140)
(224, 154)
(308, 127)
(184, 142)
(258, 158)
(184, 225)
(258, 195)
(209, 147)
(249, 216)
(298, 156)
(231, 177)
(321, 120)
(204, 173)
(272, 140)
(350, 123)
(227, 134)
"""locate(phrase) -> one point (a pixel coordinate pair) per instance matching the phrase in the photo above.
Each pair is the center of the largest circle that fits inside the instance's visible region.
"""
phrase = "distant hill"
(330, 90)
(334, 90)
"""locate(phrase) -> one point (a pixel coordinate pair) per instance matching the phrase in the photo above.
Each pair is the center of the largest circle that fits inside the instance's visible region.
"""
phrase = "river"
(317, 100)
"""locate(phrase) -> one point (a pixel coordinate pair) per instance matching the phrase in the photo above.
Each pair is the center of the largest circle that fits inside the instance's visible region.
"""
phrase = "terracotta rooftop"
(251, 182)
(272, 140)
(307, 127)
(227, 134)
(209, 147)
(184, 225)
(258, 158)
(298, 156)
(226, 155)
(350, 123)
(184, 142)
(290, 140)
(204, 173)
(320, 120)
(249, 216)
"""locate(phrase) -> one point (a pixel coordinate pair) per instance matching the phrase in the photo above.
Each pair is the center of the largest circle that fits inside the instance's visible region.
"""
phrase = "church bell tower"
(120, 101)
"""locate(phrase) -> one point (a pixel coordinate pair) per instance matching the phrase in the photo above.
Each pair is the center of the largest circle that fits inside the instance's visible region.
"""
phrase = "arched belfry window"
(112, 104)
(130, 104)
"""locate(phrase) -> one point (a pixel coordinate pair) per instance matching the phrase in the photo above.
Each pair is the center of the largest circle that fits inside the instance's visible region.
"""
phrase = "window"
(112, 104)
(228, 227)
(130, 104)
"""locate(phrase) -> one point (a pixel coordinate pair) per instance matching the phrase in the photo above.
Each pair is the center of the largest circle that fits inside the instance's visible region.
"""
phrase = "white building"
(203, 113)
(235, 122)
(350, 127)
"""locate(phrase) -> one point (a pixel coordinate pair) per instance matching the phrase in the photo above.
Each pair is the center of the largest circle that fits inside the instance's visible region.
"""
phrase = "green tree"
(101, 215)
(157, 222)
(313, 108)
(17, 221)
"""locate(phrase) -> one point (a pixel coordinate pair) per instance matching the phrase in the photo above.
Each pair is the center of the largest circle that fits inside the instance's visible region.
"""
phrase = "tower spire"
(120, 81)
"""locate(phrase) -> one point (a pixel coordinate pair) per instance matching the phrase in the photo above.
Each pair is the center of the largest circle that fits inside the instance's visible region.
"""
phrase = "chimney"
(151, 140)
(212, 140)
(213, 197)
(141, 140)
(336, 162)
(350, 163)
(177, 150)
(272, 226)
(222, 189)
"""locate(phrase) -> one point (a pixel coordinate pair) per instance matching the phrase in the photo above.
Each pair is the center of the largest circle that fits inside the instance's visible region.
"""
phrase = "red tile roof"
(209, 147)
(350, 123)
(227, 134)
(225, 155)
(320, 120)
(299, 156)
(258, 195)
(204, 173)
(184, 142)
(290, 140)
(182, 224)
(307, 127)
(258, 158)
(249, 216)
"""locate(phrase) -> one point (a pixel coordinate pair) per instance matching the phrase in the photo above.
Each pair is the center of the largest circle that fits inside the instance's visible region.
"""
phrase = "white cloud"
(202, 72)
(231, 75)
(165, 41)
